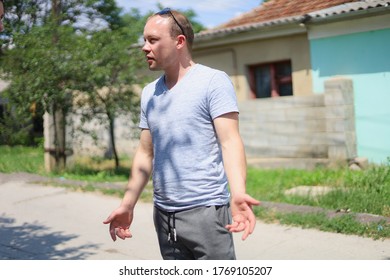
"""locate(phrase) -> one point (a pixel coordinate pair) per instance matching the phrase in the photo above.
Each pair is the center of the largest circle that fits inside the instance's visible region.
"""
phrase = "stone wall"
(316, 129)
(293, 131)
(81, 144)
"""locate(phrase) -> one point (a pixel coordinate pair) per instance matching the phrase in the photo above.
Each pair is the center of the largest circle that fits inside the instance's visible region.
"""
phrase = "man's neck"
(173, 76)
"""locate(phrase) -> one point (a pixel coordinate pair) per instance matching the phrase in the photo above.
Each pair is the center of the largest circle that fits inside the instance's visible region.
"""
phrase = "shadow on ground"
(33, 241)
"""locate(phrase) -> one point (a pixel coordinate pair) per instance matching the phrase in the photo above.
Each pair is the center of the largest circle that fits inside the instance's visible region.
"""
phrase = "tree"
(43, 45)
(68, 46)
(111, 69)
(41, 73)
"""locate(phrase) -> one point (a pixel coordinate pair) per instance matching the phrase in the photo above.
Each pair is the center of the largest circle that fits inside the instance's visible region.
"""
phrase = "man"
(1, 15)
(190, 141)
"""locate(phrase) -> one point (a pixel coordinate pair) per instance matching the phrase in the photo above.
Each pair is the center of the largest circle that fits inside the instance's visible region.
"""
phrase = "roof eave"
(280, 27)
(250, 32)
(313, 18)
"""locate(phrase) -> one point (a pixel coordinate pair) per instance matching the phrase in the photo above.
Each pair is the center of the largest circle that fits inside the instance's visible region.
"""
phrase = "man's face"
(1, 15)
(159, 47)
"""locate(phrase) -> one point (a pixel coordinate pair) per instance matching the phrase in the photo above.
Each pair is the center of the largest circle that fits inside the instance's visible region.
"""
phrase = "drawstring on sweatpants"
(172, 230)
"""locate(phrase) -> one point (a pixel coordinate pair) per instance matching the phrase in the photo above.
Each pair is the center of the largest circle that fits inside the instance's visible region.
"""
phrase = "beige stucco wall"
(235, 59)
(3, 85)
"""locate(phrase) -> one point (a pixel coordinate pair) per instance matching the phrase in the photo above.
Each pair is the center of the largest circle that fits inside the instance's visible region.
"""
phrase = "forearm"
(233, 153)
(141, 171)
(139, 178)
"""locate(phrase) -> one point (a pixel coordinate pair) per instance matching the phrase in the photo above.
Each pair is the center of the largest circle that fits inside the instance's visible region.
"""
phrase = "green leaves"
(65, 55)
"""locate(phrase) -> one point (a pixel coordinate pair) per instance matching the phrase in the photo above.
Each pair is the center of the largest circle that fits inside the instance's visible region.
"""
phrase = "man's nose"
(146, 47)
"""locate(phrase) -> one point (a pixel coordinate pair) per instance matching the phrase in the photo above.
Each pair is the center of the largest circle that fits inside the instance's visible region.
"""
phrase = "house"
(286, 58)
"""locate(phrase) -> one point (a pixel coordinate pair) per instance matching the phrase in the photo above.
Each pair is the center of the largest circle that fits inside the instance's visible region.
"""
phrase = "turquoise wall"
(364, 58)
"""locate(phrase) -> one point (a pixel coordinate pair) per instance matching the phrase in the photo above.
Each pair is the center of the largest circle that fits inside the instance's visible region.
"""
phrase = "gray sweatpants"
(195, 234)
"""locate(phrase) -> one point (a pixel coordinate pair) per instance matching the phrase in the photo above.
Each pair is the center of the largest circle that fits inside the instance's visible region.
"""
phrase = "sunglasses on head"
(169, 12)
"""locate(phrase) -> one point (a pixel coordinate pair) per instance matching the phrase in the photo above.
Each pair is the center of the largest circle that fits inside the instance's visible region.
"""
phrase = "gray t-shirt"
(187, 167)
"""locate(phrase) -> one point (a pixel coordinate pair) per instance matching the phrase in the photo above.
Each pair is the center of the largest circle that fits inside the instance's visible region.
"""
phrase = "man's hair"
(185, 27)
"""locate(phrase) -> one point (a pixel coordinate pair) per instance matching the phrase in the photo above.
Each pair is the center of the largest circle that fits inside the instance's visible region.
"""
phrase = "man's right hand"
(120, 221)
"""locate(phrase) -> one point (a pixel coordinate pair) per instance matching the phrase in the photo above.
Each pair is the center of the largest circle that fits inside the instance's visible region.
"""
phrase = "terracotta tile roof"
(276, 9)
(276, 12)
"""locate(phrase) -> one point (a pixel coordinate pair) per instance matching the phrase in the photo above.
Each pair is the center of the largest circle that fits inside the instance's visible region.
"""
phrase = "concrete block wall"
(319, 126)
(79, 144)
(293, 131)
(126, 137)
(340, 119)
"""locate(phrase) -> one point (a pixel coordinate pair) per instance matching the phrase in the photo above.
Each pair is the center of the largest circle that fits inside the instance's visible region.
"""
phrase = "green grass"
(21, 159)
(345, 224)
(366, 191)
(97, 170)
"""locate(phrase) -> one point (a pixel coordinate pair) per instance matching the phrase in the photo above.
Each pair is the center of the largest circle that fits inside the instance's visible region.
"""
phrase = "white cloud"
(209, 12)
(218, 6)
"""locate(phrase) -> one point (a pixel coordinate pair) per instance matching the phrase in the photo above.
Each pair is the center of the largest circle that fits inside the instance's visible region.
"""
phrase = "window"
(271, 79)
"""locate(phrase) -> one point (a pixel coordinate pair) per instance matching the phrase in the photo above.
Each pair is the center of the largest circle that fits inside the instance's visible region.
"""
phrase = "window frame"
(275, 82)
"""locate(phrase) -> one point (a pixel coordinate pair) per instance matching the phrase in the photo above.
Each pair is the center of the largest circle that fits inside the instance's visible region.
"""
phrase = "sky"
(210, 13)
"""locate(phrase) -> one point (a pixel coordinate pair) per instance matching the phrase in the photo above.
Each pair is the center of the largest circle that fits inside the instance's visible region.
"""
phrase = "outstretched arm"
(235, 166)
(121, 218)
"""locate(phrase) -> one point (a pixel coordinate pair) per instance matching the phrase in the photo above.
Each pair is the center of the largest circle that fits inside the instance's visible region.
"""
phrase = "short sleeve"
(143, 123)
(222, 96)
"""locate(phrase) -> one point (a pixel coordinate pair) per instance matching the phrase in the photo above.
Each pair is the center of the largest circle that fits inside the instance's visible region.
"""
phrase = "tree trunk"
(112, 138)
(54, 133)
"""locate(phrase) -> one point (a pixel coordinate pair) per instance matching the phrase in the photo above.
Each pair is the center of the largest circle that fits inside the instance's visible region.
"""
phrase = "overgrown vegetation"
(70, 56)
(366, 191)
(21, 159)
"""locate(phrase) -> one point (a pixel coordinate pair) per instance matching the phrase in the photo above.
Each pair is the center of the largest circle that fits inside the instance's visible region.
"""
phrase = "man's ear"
(181, 41)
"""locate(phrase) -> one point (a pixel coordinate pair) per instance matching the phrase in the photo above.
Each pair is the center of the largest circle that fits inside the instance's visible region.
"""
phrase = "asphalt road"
(39, 222)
